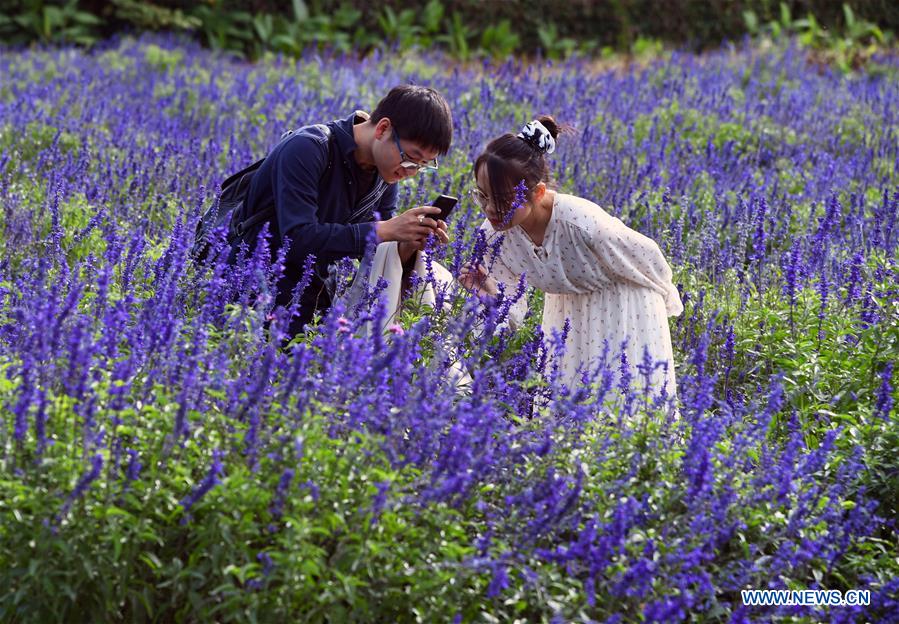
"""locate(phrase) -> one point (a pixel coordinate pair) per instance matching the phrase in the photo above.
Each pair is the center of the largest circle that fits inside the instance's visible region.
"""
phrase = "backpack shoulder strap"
(237, 176)
(252, 221)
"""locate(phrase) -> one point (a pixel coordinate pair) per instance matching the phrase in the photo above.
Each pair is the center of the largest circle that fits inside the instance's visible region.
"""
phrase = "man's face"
(396, 158)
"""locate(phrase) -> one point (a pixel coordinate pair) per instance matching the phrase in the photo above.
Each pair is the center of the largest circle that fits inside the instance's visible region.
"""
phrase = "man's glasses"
(408, 163)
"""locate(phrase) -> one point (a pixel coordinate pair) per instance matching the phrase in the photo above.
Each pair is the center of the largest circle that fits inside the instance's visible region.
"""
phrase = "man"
(332, 184)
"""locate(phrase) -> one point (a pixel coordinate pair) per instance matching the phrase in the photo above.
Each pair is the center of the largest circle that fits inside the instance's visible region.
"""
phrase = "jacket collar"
(343, 130)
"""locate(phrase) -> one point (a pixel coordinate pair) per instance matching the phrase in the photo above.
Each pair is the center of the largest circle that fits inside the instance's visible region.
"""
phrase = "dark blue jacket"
(314, 186)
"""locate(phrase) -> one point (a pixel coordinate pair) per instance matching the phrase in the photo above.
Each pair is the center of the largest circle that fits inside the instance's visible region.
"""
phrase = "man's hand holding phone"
(411, 229)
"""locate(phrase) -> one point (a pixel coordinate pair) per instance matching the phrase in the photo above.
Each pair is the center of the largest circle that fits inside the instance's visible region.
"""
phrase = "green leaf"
(751, 21)
(432, 16)
(300, 10)
(849, 16)
(152, 561)
(112, 510)
(786, 20)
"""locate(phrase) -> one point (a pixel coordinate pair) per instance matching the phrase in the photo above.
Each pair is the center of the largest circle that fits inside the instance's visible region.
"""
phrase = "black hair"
(510, 159)
(419, 114)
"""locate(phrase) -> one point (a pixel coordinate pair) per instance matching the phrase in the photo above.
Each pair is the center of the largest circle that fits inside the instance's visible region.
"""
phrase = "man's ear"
(382, 127)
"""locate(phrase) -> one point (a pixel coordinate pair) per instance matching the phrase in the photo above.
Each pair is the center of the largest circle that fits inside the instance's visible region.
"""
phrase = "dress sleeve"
(625, 255)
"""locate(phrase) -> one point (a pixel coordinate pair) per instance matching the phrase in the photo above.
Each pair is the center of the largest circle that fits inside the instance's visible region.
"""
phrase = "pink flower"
(396, 329)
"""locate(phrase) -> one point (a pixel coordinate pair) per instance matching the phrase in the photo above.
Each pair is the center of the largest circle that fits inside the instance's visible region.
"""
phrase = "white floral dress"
(612, 282)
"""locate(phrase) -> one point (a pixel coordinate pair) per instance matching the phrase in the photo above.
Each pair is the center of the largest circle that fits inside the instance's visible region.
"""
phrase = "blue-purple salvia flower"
(85, 482)
(281, 493)
(884, 405)
(209, 481)
(132, 472)
(108, 333)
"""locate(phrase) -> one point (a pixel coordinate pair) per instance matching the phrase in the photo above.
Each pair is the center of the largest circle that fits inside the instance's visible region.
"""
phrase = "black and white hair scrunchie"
(537, 136)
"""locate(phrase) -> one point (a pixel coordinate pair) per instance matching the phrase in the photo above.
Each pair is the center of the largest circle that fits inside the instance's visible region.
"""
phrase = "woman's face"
(499, 217)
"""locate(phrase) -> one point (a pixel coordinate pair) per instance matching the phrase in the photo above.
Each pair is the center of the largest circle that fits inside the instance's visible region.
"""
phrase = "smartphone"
(446, 203)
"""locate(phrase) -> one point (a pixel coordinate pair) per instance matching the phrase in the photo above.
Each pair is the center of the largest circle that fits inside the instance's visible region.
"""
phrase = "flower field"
(166, 455)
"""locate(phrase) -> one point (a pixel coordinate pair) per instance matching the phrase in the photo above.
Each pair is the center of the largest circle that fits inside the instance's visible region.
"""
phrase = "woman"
(611, 282)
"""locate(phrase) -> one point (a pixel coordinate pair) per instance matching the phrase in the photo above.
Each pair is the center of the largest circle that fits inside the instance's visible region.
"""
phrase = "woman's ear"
(539, 192)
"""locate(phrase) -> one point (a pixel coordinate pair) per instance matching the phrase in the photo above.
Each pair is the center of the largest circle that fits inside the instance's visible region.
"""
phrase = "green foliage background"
(464, 28)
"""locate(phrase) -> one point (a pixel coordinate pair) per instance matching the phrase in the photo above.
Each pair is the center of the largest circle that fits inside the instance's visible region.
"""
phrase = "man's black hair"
(419, 114)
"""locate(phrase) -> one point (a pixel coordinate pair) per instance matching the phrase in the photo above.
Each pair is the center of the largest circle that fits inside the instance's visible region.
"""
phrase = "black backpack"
(228, 206)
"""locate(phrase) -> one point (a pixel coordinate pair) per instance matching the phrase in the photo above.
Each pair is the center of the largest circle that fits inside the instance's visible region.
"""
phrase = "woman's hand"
(477, 280)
